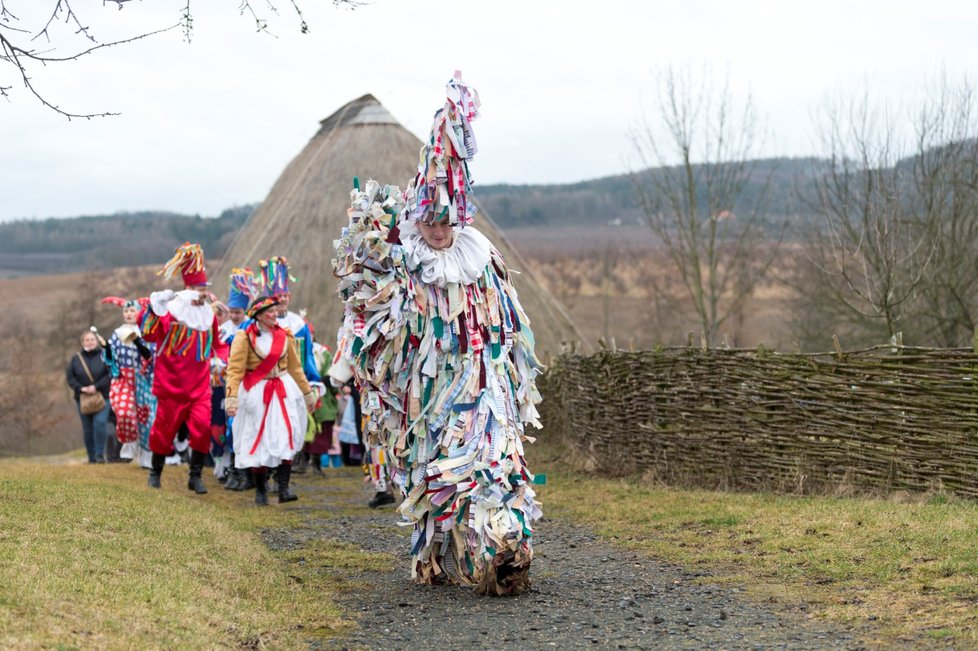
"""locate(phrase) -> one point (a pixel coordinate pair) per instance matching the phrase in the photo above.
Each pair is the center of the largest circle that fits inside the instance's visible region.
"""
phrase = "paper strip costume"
(442, 350)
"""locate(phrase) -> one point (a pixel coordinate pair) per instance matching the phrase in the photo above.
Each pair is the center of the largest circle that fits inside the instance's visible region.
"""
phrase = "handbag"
(89, 403)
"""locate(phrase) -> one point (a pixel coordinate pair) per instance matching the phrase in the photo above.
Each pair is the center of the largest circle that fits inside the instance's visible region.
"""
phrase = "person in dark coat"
(93, 425)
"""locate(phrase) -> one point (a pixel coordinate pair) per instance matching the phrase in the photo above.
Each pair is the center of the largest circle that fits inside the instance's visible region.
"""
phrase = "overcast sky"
(211, 124)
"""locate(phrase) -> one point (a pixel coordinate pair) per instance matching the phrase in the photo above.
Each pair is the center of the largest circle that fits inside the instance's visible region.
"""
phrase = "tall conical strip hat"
(274, 276)
(188, 262)
(244, 288)
(440, 188)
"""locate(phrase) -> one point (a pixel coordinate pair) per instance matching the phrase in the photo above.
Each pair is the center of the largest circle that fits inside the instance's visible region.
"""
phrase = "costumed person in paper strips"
(268, 397)
(184, 329)
(441, 350)
(244, 288)
(130, 353)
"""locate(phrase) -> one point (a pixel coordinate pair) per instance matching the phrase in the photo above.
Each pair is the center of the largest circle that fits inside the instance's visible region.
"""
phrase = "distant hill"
(138, 238)
(105, 241)
(613, 197)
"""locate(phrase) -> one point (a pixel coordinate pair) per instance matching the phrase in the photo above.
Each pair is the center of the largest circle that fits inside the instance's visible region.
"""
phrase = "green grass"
(91, 558)
(912, 566)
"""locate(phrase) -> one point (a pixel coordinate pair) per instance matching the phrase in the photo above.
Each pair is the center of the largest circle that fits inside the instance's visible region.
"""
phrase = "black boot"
(261, 491)
(157, 469)
(317, 465)
(380, 498)
(300, 468)
(247, 480)
(195, 483)
(233, 482)
(282, 475)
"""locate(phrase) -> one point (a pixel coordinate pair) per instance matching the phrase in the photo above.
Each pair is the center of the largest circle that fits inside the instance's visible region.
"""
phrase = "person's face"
(89, 342)
(283, 305)
(129, 315)
(437, 235)
(268, 318)
(200, 289)
(237, 315)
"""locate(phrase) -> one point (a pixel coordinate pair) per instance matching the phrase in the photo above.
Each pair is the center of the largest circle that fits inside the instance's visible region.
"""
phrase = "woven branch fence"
(885, 418)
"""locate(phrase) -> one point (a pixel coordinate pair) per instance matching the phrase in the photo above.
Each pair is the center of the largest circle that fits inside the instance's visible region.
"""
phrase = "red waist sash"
(274, 387)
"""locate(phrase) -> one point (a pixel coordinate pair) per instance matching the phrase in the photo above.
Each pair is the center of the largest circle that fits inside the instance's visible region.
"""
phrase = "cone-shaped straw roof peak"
(363, 110)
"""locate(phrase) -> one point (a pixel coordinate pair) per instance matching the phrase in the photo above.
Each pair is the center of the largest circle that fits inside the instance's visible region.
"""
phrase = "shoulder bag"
(89, 403)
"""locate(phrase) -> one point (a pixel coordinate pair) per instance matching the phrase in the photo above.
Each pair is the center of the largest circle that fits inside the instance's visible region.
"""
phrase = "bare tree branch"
(17, 40)
(699, 158)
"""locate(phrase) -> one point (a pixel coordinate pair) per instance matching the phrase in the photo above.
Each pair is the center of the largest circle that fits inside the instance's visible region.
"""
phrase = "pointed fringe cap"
(188, 262)
(245, 287)
(439, 191)
(274, 276)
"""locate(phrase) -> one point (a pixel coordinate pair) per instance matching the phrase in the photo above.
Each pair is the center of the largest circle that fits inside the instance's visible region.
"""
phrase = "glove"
(158, 301)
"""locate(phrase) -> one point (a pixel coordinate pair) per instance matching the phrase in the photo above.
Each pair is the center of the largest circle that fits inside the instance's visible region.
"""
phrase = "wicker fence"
(880, 419)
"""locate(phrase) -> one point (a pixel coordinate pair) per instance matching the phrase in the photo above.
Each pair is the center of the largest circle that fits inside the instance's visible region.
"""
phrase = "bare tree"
(897, 236)
(946, 188)
(31, 43)
(699, 154)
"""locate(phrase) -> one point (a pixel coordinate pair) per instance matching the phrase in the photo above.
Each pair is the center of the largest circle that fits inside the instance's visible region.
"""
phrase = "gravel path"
(586, 594)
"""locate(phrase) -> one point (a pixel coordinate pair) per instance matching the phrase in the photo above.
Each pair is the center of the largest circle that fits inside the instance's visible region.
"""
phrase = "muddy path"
(586, 594)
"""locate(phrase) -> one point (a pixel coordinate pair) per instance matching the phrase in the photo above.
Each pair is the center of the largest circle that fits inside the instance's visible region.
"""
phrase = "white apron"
(254, 445)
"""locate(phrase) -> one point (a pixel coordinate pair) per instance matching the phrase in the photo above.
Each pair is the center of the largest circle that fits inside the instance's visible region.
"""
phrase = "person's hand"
(311, 399)
(101, 340)
(231, 410)
(89, 389)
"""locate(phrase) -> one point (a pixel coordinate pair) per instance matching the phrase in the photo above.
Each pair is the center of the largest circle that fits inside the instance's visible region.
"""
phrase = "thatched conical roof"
(306, 209)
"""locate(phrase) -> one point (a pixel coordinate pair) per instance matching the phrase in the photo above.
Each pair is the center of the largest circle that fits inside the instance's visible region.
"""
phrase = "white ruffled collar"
(292, 322)
(463, 262)
(195, 317)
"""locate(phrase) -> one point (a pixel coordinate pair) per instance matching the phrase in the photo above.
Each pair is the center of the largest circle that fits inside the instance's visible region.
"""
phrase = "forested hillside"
(124, 239)
(107, 241)
(614, 197)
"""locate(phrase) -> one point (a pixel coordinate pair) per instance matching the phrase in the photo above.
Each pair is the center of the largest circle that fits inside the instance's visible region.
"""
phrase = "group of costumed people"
(434, 342)
(441, 350)
(242, 386)
(234, 381)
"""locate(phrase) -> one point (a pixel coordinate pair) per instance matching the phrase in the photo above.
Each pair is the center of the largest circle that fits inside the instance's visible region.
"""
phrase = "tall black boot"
(234, 481)
(261, 489)
(157, 464)
(303, 457)
(282, 475)
(195, 483)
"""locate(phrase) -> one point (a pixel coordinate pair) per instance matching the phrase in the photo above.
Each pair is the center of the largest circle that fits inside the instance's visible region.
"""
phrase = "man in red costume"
(185, 331)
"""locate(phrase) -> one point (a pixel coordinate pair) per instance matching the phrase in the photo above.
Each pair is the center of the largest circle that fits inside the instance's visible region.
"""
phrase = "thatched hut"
(306, 209)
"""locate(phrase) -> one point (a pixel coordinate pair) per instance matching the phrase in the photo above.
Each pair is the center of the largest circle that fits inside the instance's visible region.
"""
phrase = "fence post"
(838, 347)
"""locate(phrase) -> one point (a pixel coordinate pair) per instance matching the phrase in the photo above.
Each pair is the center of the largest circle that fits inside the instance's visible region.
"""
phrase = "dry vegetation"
(603, 276)
(42, 320)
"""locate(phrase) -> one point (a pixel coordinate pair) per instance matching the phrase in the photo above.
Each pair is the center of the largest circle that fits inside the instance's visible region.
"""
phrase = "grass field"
(907, 564)
(91, 558)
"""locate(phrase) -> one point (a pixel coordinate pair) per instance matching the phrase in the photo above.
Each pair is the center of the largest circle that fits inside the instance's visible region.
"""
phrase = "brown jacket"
(244, 358)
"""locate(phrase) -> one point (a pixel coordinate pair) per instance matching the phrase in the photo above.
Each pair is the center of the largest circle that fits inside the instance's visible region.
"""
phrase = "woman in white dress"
(269, 398)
